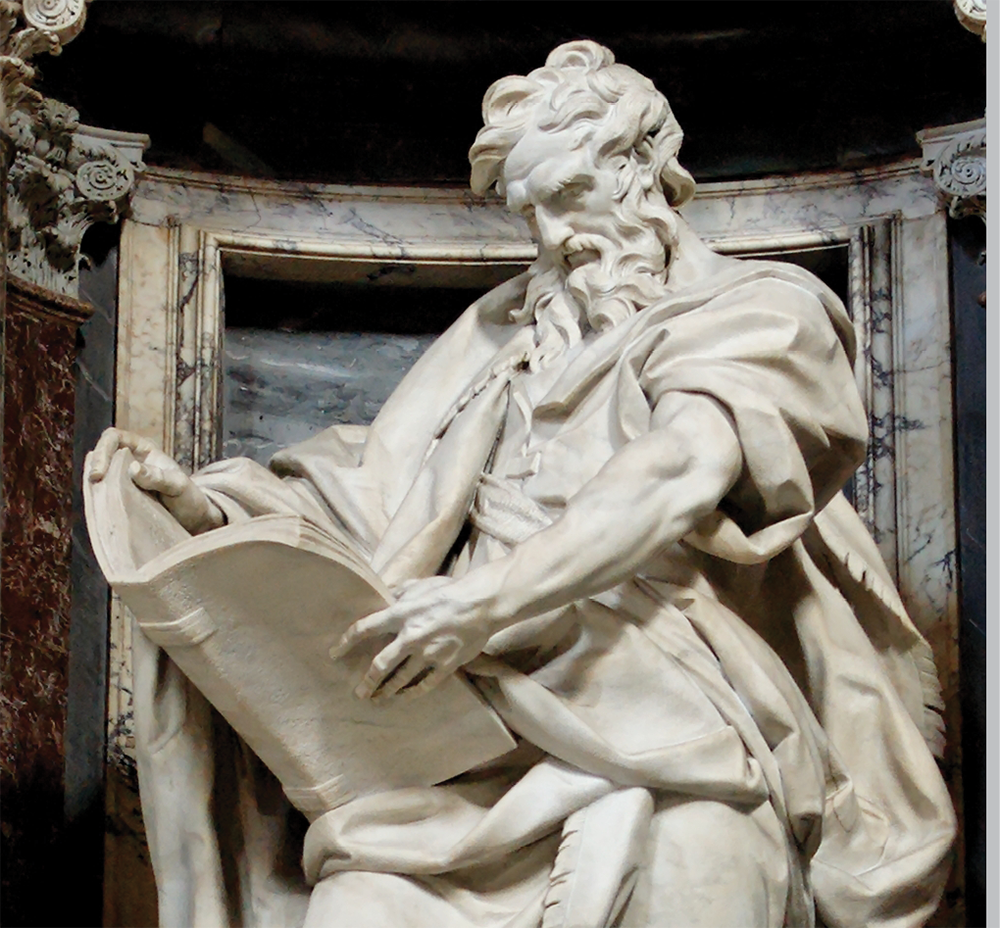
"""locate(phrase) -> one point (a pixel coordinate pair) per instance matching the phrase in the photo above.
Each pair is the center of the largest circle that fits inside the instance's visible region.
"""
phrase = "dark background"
(391, 92)
(968, 300)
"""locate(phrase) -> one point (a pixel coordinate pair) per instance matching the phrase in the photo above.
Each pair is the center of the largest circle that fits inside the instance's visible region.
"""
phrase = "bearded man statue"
(610, 495)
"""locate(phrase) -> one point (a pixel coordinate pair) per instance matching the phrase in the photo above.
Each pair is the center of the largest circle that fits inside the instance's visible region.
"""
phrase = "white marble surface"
(388, 222)
(749, 218)
(184, 225)
(281, 692)
(810, 204)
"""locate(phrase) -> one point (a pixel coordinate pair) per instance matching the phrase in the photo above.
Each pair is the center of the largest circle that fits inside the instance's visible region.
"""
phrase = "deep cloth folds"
(764, 659)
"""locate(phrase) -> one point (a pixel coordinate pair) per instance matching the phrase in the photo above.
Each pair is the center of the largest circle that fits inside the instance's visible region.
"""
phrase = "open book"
(249, 613)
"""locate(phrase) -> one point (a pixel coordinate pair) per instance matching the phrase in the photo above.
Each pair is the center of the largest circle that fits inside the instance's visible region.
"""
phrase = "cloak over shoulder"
(778, 606)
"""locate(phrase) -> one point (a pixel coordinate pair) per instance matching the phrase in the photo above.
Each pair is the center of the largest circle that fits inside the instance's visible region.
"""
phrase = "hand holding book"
(157, 472)
(437, 630)
(249, 613)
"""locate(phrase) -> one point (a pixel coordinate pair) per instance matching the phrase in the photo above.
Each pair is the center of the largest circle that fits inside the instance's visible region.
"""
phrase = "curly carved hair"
(581, 83)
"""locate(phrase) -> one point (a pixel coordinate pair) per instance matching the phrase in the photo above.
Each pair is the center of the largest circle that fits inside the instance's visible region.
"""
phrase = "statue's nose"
(553, 230)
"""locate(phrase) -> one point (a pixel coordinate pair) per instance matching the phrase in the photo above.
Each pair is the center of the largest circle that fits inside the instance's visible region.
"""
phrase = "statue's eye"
(573, 191)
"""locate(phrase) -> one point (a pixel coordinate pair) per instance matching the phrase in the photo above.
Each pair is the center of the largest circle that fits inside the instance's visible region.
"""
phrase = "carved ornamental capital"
(972, 15)
(956, 157)
(27, 29)
(64, 177)
(61, 176)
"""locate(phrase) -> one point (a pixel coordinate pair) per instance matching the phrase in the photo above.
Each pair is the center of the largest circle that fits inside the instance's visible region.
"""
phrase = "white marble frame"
(890, 217)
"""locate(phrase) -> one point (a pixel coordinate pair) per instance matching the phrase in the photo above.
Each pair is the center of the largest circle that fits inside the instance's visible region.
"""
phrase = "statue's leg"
(710, 865)
(356, 899)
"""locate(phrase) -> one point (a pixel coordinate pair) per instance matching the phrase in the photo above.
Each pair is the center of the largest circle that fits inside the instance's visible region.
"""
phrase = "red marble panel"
(39, 389)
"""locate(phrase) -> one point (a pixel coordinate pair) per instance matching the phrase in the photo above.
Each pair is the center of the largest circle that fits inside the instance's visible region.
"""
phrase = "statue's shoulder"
(781, 283)
(760, 274)
(490, 321)
(479, 332)
(816, 299)
(497, 305)
(771, 294)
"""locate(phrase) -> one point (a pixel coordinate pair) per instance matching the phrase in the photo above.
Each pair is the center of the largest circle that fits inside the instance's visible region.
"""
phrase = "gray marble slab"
(86, 725)
(283, 387)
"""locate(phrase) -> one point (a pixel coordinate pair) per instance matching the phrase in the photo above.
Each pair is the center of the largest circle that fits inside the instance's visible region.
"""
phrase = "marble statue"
(610, 495)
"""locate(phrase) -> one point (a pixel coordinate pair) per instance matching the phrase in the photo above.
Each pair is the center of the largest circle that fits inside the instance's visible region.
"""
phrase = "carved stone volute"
(972, 15)
(28, 29)
(62, 180)
(62, 18)
(61, 177)
(956, 157)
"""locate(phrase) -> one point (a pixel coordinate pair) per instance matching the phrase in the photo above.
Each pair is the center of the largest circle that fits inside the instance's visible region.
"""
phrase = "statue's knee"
(359, 899)
(712, 864)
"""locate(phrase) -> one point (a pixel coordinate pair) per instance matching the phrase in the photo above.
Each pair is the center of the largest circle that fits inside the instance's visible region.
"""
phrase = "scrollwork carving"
(64, 18)
(60, 183)
(960, 172)
(47, 26)
(956, 157)
(61, 177)
(972, 15)
(104, 179)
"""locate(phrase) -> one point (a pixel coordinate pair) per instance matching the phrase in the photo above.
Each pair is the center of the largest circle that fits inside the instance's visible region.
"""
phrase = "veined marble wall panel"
(810, 204)
(147, 312)
(185, 228)
(394, 218)
(281, 388)
(924, 462)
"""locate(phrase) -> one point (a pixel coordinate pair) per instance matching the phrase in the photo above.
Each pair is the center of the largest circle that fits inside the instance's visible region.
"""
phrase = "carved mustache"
(585, 247)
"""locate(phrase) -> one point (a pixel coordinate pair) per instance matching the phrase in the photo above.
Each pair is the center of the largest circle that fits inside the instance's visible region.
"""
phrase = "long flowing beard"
(631, 269)
(628, 274)
(558, 317)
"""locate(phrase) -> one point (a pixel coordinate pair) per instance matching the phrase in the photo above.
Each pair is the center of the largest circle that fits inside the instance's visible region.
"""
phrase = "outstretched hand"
(439, 624)
(158, 473)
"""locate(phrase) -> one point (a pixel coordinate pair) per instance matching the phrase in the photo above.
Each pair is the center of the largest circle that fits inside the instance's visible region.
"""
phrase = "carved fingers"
(112, 440)
(157, 472)
(425, 665)
(436, 632)
(371, 626)
(171, 481)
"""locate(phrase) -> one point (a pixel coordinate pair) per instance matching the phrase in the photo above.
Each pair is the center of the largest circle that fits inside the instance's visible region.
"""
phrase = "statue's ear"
(644, 160)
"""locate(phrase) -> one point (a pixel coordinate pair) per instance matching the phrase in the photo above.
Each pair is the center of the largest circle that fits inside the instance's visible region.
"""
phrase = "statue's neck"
(693, 260)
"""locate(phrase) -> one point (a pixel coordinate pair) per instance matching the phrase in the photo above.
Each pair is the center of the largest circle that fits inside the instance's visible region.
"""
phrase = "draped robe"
(764, 661)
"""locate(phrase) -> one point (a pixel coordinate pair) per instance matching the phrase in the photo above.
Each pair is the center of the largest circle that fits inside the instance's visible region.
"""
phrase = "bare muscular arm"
(651, 493)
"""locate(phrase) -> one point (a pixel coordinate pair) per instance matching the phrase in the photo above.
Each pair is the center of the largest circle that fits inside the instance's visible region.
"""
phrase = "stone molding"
(972, 15)
(956, 157)
(44, 305)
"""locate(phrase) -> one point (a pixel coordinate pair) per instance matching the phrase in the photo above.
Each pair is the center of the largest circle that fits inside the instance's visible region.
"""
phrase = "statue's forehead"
(542, 153)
